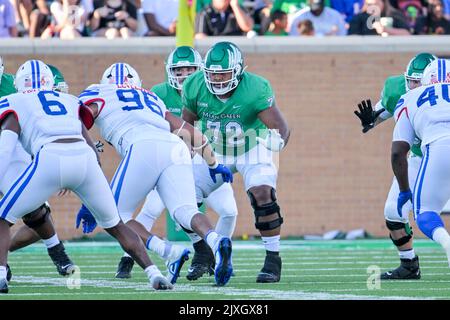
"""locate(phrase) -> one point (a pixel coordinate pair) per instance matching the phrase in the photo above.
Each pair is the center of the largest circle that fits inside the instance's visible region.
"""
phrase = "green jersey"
(231, 125)
(170, 96)
(394, 88)
(7, 85)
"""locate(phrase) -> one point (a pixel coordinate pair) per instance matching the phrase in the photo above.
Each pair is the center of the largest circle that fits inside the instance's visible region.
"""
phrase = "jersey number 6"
(51, 107)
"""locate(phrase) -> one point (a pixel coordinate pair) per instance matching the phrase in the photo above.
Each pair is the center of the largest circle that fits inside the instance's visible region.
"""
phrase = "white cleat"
(177, 257)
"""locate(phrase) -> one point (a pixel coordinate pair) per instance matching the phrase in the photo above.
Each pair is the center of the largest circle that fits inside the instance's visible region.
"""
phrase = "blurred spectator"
(375, 19)
(305, 28)
(223, 18)
(326, 21)
(23, 9)
(446, 4)
(348, 8)
(40, 18)
(278, 24)
(261, 16)
(69, 19)
(161, 16)
(114, 19)
(7, 20)
(411, 10)
(435, 22)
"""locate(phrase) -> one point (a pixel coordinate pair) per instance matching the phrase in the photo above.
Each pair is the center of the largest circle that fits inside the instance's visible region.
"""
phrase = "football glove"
(367, 115)
(273, 141)
(403, 198)
(85, 216)
(227, 175)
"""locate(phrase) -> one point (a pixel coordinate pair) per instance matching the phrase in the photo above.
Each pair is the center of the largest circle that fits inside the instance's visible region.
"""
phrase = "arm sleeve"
(403, 130)
(8, 141)
(385, 114)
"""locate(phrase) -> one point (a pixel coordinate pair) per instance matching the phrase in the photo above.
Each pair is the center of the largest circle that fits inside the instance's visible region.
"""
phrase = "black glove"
(367, 115)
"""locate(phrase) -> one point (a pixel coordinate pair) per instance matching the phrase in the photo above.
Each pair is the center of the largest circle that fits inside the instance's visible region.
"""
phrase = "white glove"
(273, 141)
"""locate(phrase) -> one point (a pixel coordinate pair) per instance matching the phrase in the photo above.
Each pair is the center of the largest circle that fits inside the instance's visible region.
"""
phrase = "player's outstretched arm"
(200, 145)
(9, 136)
(274, 119)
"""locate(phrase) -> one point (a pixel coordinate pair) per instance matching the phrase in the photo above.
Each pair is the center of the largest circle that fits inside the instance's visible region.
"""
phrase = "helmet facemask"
(223, 68)
(180, 58)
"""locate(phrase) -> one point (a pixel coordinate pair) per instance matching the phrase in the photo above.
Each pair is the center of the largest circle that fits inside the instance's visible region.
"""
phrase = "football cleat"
(224, 267)
(178, 255)
(62, 262)
(202, 262)
(271, 271)
(408, 270)
(4, 286)
(8, 273)
(124, 268)
(159, 282)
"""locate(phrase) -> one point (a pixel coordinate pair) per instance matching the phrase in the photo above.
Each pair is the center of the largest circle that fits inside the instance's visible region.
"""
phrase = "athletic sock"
(271, 243)
(51, 242)
(212, 239)
(2, 272)
(161, 247)
(407, 254)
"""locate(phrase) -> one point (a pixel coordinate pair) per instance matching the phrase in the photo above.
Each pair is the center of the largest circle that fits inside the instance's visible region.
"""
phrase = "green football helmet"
(223, 58)
(60, 83)
(416, 66)
(183, 56)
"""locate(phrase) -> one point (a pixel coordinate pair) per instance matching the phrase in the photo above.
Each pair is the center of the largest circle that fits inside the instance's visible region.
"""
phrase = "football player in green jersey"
(181, 63)
(236, 110)
(35, 221)
(400, 231)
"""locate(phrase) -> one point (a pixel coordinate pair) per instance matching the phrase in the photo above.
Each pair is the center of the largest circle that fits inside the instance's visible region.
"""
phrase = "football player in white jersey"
(20, 159)
(136, 122)
(48, 126)
(425, 112)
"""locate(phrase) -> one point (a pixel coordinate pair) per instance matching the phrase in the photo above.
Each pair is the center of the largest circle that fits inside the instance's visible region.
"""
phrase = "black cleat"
(61, 260)
(271, 271)
(4, 286)
(202, 262)
(8, 273)
(124, 268)
(408, 270)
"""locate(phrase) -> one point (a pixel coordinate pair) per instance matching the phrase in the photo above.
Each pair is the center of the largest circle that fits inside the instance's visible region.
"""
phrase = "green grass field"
(311, 270)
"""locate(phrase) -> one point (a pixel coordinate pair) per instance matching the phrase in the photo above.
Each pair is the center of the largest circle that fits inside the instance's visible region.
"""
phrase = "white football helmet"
(121, 73)
(438, 71)
(34, 74)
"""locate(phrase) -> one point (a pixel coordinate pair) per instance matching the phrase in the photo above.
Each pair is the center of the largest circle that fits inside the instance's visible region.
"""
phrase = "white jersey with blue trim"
(427, 111)
(127, 114)
(44, 116)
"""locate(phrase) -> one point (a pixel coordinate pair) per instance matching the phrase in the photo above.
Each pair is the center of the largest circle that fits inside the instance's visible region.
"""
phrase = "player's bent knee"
(37, 217)
(395, 226)
(428, 222)
(183, 215)
(265, 210)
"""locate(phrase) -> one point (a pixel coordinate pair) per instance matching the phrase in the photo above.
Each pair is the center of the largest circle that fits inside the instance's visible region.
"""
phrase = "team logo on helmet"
(223, 68)
(121, 73)
(183, 56)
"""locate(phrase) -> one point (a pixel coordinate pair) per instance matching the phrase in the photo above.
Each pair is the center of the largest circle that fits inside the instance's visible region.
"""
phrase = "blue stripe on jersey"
(121, 73)
(21, 188)
(122, 177)
(33, 75)
(444, 70)
(38, 76)
(89, 93)
(419, 189)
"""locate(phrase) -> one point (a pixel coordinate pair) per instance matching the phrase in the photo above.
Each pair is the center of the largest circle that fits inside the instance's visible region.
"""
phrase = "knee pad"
(428, 222)
(38, 217)
(266, 210)
(183, 216)
(393, 226)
